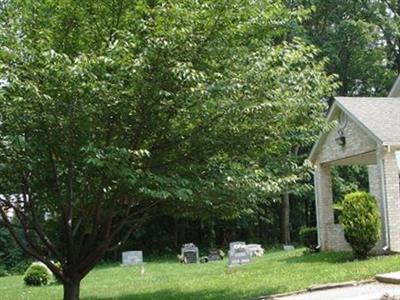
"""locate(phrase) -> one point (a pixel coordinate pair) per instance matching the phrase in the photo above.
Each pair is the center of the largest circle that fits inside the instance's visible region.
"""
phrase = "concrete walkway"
(370, 291)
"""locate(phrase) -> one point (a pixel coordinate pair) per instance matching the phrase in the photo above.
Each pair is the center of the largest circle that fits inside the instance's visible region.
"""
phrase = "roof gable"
(379, 116)
(359, 140)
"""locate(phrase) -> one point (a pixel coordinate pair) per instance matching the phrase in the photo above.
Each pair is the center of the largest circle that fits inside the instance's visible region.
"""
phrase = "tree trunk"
(71, 290)
(182, 227)
(285, 221)
(211, 233)
(176, 233)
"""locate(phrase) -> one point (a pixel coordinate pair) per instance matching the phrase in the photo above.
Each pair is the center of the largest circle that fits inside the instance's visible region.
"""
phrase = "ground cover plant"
(276, 272)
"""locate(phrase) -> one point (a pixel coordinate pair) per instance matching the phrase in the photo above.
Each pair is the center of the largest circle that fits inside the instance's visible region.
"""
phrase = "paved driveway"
(371, 291)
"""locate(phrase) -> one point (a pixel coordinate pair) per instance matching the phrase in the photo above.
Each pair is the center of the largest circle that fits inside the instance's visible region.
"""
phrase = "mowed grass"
(276, 272)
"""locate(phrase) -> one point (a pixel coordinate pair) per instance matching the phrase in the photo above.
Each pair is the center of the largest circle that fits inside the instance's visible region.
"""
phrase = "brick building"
(366, 131)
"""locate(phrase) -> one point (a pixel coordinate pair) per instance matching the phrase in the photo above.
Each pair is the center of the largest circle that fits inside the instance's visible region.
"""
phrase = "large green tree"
(360, 40)
(115, 111)
(386, 16)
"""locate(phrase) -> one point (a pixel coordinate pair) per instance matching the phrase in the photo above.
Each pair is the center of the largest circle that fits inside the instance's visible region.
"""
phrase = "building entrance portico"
(366, 132)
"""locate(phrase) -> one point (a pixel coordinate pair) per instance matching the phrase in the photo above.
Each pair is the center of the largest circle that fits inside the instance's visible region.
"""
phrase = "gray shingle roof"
(380, 116)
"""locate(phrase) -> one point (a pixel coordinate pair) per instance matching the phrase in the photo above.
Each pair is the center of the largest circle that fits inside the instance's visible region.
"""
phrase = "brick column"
(375, 188)
(375, 180)
(391, 193)
(324, 204)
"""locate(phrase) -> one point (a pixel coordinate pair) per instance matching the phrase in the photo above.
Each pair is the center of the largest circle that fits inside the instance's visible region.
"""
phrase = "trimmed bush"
(37, 274)
(309, 238)
(361, 222)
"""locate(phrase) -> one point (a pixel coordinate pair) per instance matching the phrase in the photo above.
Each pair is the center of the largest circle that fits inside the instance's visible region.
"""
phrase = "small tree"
(360, 219)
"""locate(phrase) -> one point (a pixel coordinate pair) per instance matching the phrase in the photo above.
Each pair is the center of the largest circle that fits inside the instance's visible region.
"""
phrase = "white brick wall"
(331, 235)
(391, 192)
(324, 204)
(375, 188)
(382, 163)
(357, 142)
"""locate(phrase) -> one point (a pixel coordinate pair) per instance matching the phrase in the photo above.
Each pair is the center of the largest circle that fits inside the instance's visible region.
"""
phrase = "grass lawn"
(276, 272)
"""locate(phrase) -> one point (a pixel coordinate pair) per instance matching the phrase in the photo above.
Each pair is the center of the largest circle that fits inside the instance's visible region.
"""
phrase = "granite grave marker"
(238, 254)
(132, 258)
(190, 253)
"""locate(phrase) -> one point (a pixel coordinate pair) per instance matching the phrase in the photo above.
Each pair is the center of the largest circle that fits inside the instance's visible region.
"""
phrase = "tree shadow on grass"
(322, 257)
(185, 295)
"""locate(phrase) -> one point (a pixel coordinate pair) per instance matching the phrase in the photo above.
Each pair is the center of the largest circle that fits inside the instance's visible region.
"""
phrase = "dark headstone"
(203, 259)
(190, 253)
(214, 255)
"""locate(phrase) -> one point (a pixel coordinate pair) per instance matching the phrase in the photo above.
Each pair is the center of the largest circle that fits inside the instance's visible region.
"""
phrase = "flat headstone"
(288, 247)
(255, 249)
(131, 258)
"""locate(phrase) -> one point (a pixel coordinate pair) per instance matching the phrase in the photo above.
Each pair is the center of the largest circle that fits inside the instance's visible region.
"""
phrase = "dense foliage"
(37, 275)
(12, 258)
(361, 222)
(309, 238)
(359, 38)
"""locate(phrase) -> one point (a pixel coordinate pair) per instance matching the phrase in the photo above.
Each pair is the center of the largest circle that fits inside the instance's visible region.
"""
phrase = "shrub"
(37, 274)
(309, 238)
(360, 220)
(3, 271)
(20, 267)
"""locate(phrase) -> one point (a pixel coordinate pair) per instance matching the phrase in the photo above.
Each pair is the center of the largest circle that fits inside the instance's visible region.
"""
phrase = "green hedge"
(361, 222)
(37, 274)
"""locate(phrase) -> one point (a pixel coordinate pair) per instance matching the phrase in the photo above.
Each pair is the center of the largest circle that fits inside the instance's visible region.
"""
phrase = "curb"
(392, 278)
(329, 286)
(277, 296)
(314, 288)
